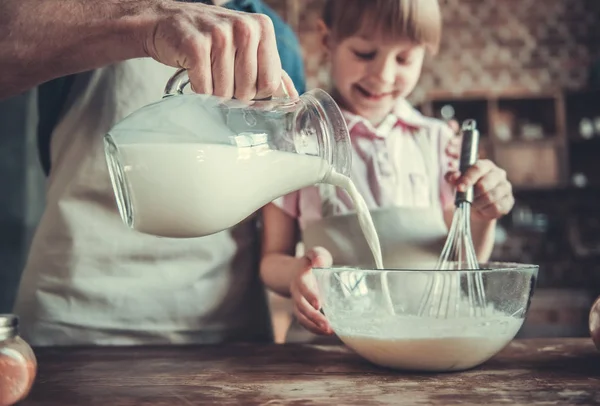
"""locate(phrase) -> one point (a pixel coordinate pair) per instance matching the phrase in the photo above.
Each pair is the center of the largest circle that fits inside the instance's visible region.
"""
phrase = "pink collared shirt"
(388, 168)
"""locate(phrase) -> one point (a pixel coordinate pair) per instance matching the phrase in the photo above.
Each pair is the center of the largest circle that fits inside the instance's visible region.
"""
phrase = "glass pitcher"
(191, 165)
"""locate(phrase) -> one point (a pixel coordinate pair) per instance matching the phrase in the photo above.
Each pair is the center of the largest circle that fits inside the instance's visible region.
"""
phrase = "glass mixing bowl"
(425, 319)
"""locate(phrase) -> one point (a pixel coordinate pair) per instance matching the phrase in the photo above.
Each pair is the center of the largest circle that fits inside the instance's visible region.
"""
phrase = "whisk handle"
(468, 156)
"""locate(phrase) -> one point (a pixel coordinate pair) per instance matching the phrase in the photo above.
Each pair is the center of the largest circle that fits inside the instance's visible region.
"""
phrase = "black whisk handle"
(468, 155)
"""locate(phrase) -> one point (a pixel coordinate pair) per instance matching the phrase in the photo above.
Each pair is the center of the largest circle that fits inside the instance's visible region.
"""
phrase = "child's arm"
(288, 275)
(483, 234)
(280, 236)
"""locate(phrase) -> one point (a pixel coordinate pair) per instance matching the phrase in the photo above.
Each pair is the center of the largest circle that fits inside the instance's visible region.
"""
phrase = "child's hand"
(453, 152)
(304, 292)
(492, 192)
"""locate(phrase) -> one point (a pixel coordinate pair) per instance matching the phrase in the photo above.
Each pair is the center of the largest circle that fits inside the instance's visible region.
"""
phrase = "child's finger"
(309, 311)
(473, 174)
(491, 187)
(310, 325)
(453, 148)
(486, 197)
(302, 307)
(452, 166)
(319, 257)
(453, 124)
(453, 153)
(307, 292)
(499, 208)
(452, 176)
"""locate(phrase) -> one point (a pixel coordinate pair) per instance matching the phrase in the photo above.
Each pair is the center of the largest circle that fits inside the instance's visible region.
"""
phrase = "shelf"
(584, 160)
(538, 188)
(583, 113)
(591, 142)
(524, 118)
(530, 164)
(546, 140)
(550, 152)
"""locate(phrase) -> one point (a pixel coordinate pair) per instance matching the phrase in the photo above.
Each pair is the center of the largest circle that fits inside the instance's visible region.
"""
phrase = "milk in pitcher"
(172, 199)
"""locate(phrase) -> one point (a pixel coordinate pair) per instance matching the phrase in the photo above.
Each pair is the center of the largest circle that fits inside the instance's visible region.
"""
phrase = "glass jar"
(18, 365)
(191, 165)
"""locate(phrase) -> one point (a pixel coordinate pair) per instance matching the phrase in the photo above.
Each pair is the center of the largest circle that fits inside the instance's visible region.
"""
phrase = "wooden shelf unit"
(536, 137)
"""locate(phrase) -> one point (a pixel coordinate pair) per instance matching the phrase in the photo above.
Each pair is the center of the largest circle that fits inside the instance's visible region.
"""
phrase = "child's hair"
(418, 20)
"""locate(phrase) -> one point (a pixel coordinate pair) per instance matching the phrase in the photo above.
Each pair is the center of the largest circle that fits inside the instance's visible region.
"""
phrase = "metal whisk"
(443, 293)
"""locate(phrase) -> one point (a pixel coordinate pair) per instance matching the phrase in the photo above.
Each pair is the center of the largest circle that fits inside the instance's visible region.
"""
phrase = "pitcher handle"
(177, 83)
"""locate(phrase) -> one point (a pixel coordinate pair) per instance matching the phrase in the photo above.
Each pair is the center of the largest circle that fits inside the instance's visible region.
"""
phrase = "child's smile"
(374, 95)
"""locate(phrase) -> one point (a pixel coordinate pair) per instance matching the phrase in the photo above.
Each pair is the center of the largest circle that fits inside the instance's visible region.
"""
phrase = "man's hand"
(226, 53)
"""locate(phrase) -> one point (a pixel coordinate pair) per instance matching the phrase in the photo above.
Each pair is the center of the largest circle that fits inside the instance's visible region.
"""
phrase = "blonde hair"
(418, 20)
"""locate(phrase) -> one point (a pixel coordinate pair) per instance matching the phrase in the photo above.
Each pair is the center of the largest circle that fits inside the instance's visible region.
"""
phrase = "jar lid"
(8, 324)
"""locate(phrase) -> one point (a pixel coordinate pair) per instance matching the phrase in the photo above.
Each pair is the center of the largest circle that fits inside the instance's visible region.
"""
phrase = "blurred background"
(527, 70)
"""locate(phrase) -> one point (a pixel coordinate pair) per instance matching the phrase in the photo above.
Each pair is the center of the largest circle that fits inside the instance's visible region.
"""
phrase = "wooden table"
(548, 372)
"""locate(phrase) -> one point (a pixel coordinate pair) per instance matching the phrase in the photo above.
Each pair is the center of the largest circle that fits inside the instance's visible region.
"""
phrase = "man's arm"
(225, 52)
(44, 39)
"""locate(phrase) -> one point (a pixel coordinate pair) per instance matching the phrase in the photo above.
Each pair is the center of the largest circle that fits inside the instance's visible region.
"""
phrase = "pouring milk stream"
(191, 165)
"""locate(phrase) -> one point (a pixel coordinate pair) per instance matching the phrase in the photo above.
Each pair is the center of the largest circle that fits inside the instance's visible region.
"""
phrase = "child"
(400, 163)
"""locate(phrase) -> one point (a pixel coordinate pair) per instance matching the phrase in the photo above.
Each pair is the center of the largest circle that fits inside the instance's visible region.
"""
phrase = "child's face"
(370, 73)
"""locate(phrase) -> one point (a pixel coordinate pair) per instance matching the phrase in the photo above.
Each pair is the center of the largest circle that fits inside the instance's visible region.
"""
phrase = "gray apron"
(409, 236)
(91, 280)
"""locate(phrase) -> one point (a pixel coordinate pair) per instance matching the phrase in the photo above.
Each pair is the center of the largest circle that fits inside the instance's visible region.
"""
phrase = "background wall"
(488, 45)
